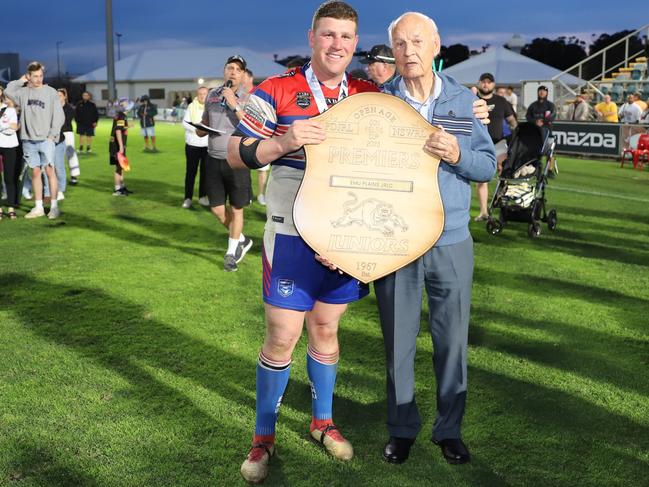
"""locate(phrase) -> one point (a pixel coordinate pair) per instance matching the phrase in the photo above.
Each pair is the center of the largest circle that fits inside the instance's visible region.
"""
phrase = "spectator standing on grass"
(146, 113)
(542, 113)
(606, 110)
(41, 118)
(630, 111)
(511, 97)
(229, 190)
(117, 146)
(62, 146)
(11, 164)
(501, 113)
(86, 116)
(262, 173)
(507, 132)
(195, 150)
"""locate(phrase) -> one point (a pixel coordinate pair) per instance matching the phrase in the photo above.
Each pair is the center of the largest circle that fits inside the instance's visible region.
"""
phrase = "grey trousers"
(447, 274)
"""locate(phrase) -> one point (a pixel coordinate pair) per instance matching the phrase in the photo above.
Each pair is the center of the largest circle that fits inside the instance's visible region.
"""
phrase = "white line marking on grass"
(599, 193)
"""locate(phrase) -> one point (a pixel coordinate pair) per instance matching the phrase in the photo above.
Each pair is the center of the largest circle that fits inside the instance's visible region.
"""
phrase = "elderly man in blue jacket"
(446, 270)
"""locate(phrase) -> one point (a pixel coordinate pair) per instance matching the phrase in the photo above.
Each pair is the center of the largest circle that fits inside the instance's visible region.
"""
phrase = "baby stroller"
(520, 192)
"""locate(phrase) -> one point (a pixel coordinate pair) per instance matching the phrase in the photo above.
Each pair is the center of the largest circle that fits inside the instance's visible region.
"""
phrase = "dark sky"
(33, 27)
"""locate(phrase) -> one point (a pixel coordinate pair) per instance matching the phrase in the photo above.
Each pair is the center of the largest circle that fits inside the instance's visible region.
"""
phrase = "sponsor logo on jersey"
(303, 99)
(278, 219)
(255, 114)
(285, 287)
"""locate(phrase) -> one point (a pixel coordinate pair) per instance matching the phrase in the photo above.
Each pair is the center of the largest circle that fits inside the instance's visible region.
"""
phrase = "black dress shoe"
(454, 450)
(396, 450)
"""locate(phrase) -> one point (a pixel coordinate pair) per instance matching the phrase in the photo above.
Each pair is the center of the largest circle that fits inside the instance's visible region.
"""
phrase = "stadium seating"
(617, 93)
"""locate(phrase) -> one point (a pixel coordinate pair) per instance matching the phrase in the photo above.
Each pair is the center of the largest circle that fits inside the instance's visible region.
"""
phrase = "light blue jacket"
(454, 111)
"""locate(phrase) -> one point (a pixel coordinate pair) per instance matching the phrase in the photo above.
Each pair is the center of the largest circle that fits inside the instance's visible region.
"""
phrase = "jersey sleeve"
(260, 113)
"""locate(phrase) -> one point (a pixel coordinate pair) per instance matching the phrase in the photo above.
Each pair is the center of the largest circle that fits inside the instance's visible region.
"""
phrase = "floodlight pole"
(119, 50)
(110, 52)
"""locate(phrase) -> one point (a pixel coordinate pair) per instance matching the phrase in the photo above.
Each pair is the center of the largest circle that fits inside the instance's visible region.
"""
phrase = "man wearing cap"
(579, 109)
(223, 110)
(146, 113)
(500, 110)
(542, 112)
(380, 64)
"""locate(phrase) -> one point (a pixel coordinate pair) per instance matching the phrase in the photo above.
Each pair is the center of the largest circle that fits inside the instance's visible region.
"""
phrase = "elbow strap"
(248, 152)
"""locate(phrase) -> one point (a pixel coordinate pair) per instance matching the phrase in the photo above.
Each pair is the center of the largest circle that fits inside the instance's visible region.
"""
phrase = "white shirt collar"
(437, 90)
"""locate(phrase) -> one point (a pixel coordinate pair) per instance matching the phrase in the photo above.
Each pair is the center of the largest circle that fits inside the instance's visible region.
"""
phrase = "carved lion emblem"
(374, 214)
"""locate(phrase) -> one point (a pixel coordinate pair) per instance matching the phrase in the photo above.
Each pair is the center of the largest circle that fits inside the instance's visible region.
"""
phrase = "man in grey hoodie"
(41, 118)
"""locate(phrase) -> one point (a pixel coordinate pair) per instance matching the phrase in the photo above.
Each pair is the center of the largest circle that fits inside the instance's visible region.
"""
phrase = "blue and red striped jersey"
(282, 99)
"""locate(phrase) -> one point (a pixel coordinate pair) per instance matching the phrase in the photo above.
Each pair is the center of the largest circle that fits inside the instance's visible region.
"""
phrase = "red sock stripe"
(327, 359)
(268, 439)
(272, 363)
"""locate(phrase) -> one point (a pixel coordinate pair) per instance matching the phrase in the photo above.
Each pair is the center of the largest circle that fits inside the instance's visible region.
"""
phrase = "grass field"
(127, 355)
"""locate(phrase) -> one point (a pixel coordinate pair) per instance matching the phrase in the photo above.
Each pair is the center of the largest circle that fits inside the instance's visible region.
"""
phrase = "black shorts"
(224, 183)
(85, 130)
(112, 157)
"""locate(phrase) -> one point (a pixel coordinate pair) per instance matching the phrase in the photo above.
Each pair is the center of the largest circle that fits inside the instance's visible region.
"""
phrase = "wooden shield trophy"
(369, 201)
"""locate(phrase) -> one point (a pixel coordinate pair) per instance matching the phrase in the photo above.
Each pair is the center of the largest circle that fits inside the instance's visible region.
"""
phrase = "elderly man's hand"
(481, 111)
(443, 145)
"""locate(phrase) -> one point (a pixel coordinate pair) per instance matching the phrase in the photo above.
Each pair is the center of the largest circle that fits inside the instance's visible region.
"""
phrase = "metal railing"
(593, 83)
(579, 66)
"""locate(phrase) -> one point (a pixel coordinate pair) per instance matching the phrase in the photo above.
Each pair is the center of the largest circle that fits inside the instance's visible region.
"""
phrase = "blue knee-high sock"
(322, 374)
(272, 378)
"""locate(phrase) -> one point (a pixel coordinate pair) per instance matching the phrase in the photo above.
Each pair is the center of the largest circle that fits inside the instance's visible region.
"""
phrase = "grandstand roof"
(508, 67)
(182, 64)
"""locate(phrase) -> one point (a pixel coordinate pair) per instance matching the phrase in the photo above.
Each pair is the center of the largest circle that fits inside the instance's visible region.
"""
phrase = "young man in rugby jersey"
(275, 127)
(295, 286)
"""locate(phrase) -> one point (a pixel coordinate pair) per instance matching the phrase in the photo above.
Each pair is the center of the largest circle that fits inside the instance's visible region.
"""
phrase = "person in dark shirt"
(86, 116)
(146, 113)
(542, 112)
(500, 110)
(117, 146)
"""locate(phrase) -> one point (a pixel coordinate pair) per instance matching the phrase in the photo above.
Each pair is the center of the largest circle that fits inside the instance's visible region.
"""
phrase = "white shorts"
(148, 131)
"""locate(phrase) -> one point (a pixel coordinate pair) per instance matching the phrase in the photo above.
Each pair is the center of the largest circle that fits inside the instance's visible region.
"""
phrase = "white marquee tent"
(508, 67)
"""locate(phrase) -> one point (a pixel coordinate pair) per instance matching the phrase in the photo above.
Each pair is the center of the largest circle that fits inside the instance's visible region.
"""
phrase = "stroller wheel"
(552, 219)
(494, 227)
(534, 230)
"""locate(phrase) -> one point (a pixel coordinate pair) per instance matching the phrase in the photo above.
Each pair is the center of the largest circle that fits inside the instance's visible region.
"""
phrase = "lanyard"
(314, 84)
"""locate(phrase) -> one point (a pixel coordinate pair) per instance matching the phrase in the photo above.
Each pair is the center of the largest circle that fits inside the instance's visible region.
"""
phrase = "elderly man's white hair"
(394, 23)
